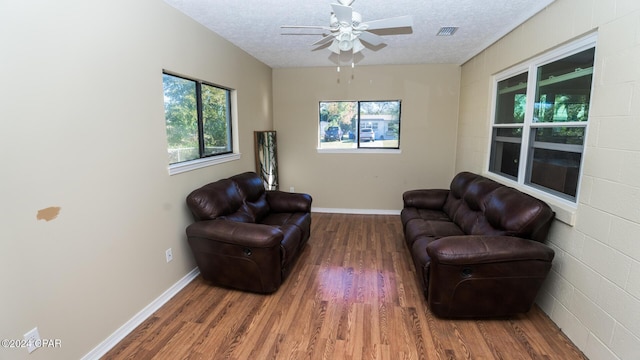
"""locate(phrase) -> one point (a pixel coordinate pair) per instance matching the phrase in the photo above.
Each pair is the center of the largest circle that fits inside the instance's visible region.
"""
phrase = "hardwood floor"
(352, 295)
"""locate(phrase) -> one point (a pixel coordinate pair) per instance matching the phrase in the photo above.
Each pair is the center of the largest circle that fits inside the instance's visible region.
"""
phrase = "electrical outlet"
(169, 254)
(32, 338)
(291, 189)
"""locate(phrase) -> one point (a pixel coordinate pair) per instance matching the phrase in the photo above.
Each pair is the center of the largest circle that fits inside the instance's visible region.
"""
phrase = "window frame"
(358, 148)
(204, 159)
(529, 127)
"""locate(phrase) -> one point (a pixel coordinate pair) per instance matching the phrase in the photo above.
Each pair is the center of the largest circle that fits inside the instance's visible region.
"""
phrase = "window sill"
(359, 151)
(200, 163)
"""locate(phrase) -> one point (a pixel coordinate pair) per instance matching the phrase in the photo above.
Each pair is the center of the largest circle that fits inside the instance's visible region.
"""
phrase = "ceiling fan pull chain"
(353, 66)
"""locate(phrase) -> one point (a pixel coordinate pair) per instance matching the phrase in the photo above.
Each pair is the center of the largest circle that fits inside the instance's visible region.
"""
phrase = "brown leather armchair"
(245, 237)
(477, 247)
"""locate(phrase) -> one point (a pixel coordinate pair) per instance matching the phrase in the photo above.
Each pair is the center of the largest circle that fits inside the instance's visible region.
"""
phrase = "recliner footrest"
(475, 276)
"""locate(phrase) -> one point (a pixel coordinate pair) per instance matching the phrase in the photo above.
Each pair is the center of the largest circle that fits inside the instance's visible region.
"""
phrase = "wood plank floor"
(352, 295)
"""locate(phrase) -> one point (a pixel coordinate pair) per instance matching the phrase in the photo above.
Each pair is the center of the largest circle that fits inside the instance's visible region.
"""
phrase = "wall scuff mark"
(49, 213)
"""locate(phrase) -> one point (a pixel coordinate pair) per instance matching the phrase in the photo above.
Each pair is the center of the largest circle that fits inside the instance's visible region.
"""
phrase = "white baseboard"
(130, 325)
(356, 211)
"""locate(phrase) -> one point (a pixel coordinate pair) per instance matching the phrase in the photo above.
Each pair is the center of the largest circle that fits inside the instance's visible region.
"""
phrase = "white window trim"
(185, 166)
(359, 151)
(565, 209)
(182, 167)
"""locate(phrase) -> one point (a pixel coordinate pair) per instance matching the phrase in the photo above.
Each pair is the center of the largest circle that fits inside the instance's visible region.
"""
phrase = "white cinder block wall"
(593, 293)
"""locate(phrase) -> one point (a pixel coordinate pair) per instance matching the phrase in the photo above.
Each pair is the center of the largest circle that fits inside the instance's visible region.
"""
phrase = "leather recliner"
(477, 247)
(245, 237)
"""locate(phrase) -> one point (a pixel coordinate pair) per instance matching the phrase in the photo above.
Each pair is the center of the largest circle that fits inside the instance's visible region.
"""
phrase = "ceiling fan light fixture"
(334, 47)
(346, 2)
(345, 45)
(357, 46)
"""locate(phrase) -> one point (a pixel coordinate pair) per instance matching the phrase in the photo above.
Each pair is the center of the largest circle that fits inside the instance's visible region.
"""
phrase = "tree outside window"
(198, 119)
(540, 121)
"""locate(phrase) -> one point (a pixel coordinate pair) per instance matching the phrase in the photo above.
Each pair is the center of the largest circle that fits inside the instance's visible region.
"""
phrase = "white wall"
(83, 129)
(593, 293)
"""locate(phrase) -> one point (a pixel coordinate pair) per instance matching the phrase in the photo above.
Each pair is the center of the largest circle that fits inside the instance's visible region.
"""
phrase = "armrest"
(433, 199)
(238, 233)
(478, 249)
(280, 201)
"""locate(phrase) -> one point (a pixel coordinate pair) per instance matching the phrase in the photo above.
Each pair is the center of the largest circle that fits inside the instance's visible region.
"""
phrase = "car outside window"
(359, 125)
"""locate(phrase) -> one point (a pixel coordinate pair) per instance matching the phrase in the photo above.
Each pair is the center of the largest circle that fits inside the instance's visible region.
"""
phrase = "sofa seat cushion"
(436, 229)
(412, 213)
(281, 219)
(296, 228)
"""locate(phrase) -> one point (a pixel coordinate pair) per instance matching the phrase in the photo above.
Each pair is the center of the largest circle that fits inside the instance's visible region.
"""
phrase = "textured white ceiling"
(254, 26)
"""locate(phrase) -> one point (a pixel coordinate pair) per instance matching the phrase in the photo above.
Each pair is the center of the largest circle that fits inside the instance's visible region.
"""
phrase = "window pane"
(505, 151)
(337, 128)
(555, 155)
(511, 100)
(564, 88)
(379, 124)
(181, 118)
(216, 120)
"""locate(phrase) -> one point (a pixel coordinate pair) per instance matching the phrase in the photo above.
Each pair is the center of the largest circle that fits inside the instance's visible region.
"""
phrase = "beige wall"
(593, 293)
(83, 129)
(365, 181)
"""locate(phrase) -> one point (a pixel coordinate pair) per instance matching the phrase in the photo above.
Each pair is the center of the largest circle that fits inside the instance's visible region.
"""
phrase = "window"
(540, 120)
(359, 125)
(198, 119)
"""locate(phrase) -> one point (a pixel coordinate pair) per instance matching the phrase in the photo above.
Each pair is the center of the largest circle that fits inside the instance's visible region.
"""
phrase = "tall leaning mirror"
(265, 146)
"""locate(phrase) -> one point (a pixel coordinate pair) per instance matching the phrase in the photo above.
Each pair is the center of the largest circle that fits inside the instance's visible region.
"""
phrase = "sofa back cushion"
(214, 200)
(481, 206)
(457, 189)
(253, 192)
(518, 214)
(470, 215)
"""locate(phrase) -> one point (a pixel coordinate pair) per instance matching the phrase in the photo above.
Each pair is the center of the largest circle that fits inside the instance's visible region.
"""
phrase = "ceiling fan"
(347, 28)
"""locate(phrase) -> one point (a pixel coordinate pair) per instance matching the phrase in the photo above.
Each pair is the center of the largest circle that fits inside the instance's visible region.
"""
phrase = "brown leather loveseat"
(245, 237)
(477, 247)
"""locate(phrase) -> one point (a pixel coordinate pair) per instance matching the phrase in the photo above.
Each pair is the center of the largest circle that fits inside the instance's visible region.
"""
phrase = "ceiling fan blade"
(324, 40)
(343, 13)
(394, 22)
(371, 38)
(304, 27)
